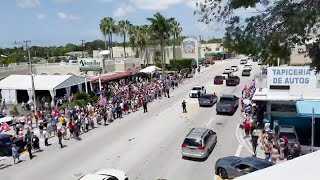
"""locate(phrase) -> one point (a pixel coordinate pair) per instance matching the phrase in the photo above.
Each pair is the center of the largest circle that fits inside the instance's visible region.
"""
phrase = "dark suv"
(6, 141)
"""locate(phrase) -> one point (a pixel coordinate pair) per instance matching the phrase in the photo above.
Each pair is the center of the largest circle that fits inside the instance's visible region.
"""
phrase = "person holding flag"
(4, 127)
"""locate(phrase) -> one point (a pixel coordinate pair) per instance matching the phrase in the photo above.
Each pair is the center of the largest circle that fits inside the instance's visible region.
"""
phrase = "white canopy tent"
(11, 84)
(150, 69)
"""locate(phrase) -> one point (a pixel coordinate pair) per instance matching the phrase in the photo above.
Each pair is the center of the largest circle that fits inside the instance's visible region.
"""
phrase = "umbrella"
(246, 101)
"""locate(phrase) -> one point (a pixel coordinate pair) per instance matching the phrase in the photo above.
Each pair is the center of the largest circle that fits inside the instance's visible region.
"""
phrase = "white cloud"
(65, 16)
(41, 16)
(28, 3)
(123, 10)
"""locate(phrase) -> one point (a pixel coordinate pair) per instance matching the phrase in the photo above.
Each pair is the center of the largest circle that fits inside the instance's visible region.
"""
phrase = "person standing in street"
(255, 136)
(60, 138)
(14, 123)
(46, 137)
(184, 106)
(144, 103)
(15, 153)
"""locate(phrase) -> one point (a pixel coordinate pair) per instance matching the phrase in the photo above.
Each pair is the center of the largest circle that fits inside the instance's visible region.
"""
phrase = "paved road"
(145, 145)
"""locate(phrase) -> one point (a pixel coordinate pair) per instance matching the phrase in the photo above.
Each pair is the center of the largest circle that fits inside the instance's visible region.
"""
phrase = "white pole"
(32, 79)
(278, 61)
(312, 130)
(100, 84)
(86, 82)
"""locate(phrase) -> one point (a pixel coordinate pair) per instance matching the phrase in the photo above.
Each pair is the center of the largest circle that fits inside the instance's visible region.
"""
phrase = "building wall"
(211, 47)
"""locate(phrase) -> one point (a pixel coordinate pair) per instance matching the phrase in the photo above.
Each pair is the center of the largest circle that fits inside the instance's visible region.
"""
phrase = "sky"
(58, 22)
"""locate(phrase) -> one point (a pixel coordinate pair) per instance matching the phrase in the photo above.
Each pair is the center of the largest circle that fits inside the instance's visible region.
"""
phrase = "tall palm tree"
(161, 26)
(124, 27)
(103, 25)
(175, 30)
(138, 39)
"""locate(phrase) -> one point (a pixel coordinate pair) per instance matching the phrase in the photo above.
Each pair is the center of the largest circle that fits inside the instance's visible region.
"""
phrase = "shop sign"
(90, 64)
(290, 75)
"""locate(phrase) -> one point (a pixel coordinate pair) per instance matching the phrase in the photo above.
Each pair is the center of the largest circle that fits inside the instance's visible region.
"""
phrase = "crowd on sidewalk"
(117, 98)
(256, 126)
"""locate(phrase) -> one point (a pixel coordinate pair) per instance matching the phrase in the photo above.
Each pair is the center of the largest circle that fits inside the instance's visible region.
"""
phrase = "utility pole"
(26, 45)
(82, 47)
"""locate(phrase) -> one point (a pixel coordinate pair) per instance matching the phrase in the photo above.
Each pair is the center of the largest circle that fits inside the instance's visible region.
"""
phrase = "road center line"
(239, 150)
(209, 122)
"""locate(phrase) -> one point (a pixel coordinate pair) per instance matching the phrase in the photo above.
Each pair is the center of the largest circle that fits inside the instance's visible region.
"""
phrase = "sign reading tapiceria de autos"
(90, 64)
(291, 75)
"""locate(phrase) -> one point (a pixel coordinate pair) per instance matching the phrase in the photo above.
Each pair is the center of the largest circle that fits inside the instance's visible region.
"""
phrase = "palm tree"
(138, 39)
(161, 26)
(108, 28)
(103, 25)
(124, 27)
(175, 30)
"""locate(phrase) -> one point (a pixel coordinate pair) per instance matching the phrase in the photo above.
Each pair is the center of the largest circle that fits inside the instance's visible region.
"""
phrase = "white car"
(106, 174)
(195, 89)
(228, 70)
(7, 119)
(243, 61)
(234, 68)
(248, 66)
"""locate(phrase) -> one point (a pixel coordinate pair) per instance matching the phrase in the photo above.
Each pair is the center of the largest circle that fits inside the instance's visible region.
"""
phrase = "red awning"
(107, 77)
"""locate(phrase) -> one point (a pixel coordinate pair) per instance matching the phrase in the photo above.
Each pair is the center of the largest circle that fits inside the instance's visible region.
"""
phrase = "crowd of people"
(117, 98)
(256, 126)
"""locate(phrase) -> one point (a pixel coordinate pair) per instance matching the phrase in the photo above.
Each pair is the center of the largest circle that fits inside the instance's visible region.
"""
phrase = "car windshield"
(193, 142)
(233, 66)
(246, 70)
(227, 69)
(205, 96)
(290, 136)
(226, 99)
(2, 116)
(218, 77)
(196, 88)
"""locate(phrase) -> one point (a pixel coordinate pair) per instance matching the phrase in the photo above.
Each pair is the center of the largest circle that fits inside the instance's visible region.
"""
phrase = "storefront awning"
(304, 108)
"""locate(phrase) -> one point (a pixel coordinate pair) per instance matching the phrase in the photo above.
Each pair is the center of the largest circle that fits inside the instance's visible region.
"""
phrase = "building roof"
(117, 75)
(303, 167)
(265, 94)
(41, 82)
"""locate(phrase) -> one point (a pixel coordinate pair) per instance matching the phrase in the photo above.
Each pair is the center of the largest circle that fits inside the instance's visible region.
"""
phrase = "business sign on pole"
(90, 64)
(291, 75)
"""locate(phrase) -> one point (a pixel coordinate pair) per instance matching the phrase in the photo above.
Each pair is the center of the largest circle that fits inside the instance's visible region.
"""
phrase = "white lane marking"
(209, 122)
(239, 150)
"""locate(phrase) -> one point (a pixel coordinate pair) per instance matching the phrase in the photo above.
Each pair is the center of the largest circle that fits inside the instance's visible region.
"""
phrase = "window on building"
(283, 108)
(217, 49)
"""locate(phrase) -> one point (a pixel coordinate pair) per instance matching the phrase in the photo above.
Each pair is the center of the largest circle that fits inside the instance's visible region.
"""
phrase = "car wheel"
(223, 173)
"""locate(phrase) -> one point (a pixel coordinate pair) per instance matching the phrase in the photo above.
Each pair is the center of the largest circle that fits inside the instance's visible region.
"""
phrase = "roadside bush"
(15, 111)
(182, 63)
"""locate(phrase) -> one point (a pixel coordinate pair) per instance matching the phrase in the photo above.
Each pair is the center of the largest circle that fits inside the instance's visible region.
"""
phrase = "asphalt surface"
(145, 145)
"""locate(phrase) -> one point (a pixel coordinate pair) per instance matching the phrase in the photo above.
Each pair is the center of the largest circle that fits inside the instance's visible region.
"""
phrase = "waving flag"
(4, 127)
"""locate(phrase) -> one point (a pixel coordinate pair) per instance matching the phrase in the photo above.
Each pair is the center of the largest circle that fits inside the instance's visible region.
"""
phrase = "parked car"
(199, 143)
(227, 104)
(259, 62)
(233, 81)
(207, 100)
(106, 174)
(194, 91)
(234, 68)
(232, 166)
(226, 75)
(4, 118)
(218, 79)
(246, 72)
(294, 148)
(6, 141)
(243, 61)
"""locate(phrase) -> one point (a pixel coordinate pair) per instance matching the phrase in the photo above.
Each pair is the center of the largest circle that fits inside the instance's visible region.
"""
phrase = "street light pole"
(26, 44)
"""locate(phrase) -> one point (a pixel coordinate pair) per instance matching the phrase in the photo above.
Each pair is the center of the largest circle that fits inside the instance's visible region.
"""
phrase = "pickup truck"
(195, 89)
(232, 81)
(227, 104)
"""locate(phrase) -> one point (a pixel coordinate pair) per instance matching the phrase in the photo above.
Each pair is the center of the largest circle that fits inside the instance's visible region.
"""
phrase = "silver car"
(199, 143)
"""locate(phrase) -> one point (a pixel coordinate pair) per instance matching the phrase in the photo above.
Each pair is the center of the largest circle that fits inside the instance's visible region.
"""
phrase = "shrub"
(182, 63)
(15, 111)
(81, 96)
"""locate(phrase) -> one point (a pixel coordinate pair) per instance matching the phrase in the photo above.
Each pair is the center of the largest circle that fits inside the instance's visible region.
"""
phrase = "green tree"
(175, 30)
(272, 30)
(138, 38)
(103, 29)
(162, 27)
(124, 27)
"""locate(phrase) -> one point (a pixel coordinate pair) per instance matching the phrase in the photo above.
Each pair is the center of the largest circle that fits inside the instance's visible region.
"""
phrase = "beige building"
(211, 47)
(299, 56)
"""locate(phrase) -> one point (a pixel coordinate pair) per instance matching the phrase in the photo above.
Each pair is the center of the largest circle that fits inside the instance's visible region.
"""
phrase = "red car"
(218, 80)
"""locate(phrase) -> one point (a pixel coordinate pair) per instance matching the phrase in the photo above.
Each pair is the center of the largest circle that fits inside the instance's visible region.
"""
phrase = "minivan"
(199, 143)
